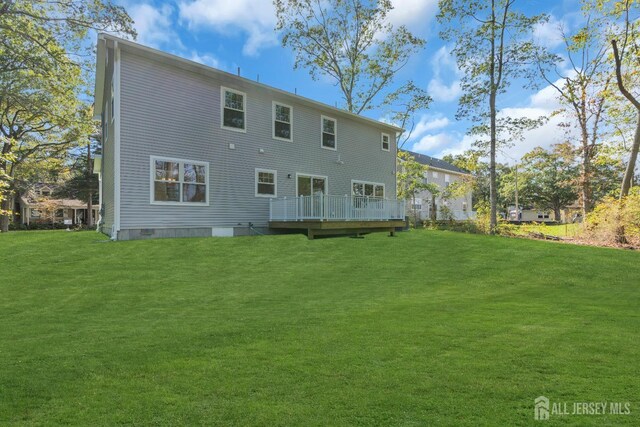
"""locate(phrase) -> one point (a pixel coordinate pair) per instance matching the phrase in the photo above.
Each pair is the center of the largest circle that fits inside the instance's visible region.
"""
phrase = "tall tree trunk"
(493, 197)
(434, 211)
(585, 179)
(631, 166)
(4, 219)
(556, 214)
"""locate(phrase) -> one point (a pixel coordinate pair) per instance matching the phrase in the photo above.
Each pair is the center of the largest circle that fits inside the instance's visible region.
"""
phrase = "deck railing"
(335, 208)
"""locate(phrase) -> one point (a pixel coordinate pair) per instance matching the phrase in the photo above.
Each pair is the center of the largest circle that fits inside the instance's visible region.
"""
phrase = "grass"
(429, 327)
(559, 230)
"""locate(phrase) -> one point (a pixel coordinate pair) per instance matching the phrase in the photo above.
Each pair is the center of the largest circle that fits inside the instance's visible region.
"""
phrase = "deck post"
(347, 208)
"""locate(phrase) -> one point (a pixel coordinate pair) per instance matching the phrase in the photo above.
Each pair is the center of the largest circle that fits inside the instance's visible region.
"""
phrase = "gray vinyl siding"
(455, 204)
(171, 112)
(108, 157)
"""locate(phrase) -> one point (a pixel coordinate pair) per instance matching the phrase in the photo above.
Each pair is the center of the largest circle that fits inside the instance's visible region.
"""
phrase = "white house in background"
(189, 150)
(442, 174)
(38, 206)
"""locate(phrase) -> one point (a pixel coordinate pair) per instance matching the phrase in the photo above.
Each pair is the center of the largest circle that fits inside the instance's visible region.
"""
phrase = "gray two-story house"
(444, 204)
(189, 150)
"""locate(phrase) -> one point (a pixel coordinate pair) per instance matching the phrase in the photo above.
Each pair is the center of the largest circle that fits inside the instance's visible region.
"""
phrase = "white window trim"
(335, 132)
(310, 175)
(152, 176)
(275, 183)
(273, 121)
(359, 181)
(434, 174)
(224, 89)
(447, 178)
(388, 142)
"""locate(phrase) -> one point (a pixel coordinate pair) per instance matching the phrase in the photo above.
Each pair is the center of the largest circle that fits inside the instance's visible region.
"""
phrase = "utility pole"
(517, 206)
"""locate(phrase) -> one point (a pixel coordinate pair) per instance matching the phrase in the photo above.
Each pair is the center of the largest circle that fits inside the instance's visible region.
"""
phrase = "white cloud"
(549, 34)
(542, 103)
(205, 59)
(427, 123)
(442, 92)
(430, 143)
(255, 18)
(153, 24)
(443, 64)
(414, 14)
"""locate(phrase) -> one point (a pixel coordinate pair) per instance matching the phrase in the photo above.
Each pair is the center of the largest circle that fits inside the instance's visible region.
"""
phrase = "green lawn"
(559, 230)
(426, 328)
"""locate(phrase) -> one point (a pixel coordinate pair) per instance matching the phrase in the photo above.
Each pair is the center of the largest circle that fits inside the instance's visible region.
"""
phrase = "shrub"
(612, 217)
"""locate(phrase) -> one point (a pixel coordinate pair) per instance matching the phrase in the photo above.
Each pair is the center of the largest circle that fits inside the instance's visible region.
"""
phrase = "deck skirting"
(327, 228)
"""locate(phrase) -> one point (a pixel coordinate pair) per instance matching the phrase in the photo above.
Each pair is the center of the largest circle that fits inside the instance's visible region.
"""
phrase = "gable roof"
(435, 163)
(187, 64)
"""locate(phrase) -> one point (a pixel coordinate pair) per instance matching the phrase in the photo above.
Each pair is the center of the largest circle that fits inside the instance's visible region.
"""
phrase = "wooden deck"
(336, 228)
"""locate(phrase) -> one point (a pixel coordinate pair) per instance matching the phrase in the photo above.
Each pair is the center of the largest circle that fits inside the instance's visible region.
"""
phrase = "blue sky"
(240, 33)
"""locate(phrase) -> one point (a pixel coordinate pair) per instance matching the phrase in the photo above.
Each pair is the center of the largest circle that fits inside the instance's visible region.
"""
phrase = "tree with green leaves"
(582, 90)
(353, 44)
(493, 47)
(410, 179)
(44, 57)
(625, 41)
(547, 178)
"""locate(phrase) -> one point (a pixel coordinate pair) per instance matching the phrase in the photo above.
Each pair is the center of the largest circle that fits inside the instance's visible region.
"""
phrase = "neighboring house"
(37, 206)
(189, 150)
(530, 214)
(442, 174)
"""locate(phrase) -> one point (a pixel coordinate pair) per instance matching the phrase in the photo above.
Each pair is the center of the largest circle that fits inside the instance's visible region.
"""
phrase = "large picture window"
(367, 189)
(329, 133)
(266, 183)
(179, 181)
(282, 115)
(233, 109)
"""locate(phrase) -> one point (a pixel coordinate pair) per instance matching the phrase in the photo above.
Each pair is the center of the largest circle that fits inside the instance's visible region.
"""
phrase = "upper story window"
(233, 109)
(435, 174)
(329, 133)
(385, 142)
(282, 121)
(179, 181)
(266, 183)
(367, 189)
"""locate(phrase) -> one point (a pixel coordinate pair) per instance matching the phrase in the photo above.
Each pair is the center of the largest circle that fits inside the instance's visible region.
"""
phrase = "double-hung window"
(266, 183)
(282, 115)
(233, 109)
(179, 182)
(385, 142)
(328, 133)
(367, 189)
